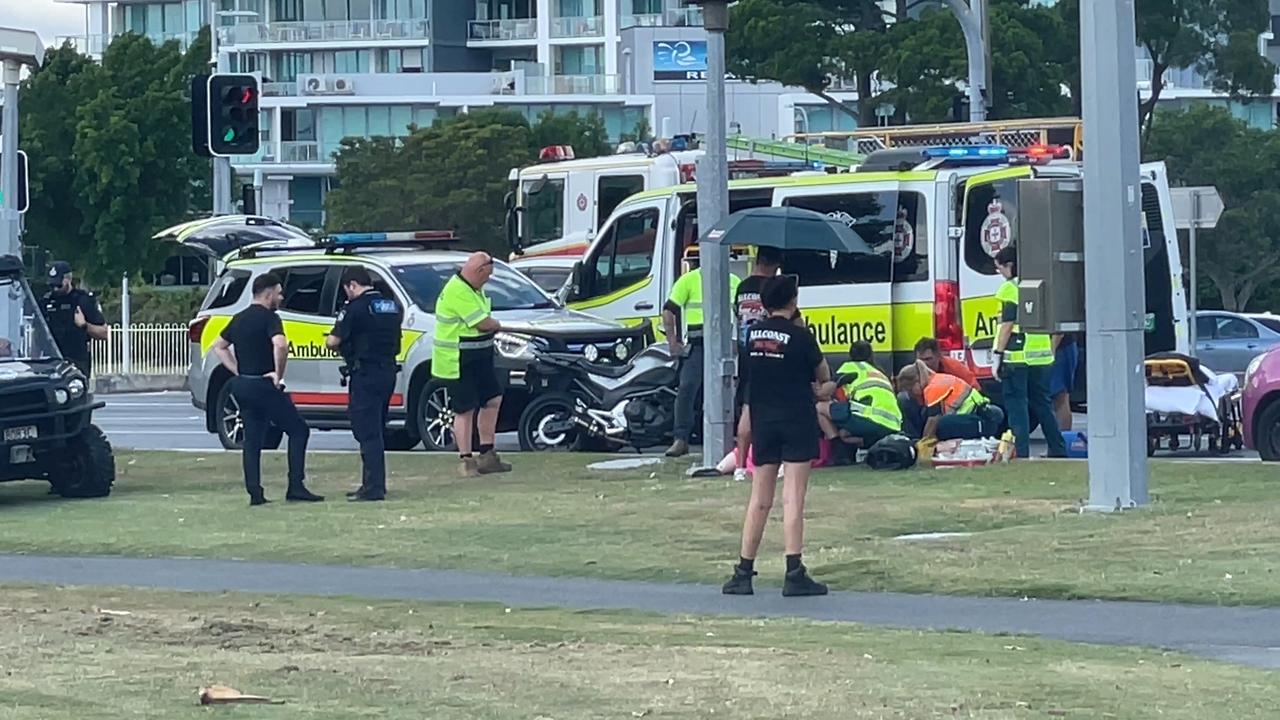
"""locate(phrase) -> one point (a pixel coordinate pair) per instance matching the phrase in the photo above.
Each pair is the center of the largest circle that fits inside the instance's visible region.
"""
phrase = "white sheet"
(1193, 400)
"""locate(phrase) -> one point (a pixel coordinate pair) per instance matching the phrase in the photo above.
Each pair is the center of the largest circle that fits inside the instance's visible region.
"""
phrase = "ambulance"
(935, 217)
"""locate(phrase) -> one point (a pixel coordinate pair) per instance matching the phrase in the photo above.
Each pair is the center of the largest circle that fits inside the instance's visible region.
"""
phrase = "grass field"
(1209, 536)
(95, 655)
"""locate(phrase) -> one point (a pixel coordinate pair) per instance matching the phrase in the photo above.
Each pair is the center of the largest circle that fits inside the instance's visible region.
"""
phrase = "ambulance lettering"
(997, 231)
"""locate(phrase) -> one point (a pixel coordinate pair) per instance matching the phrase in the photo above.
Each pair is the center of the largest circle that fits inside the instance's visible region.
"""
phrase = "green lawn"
(1209, 537)
(106, 654)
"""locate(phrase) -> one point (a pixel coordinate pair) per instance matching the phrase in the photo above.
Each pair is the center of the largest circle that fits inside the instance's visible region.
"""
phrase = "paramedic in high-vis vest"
(1023, 362)
(865, 407)
(462, 358)
(685, 304)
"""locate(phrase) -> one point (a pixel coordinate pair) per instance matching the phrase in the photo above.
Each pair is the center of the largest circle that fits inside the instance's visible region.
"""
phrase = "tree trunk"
(866, 104)
(834, 103)
(1147, 110)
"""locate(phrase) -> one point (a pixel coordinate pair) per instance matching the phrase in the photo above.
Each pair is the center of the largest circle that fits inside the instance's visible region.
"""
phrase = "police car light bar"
(968, 152)
(391, 237)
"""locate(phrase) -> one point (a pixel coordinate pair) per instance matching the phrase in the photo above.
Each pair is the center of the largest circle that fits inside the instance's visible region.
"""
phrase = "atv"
(46, 406)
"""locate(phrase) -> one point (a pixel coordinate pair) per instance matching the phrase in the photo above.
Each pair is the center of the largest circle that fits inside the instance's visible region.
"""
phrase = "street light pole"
(221, 62)
(713, 206)
(10, 220)
(1114, 293)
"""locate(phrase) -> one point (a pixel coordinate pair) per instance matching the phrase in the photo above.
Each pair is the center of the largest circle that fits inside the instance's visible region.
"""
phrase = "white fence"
(153, 350)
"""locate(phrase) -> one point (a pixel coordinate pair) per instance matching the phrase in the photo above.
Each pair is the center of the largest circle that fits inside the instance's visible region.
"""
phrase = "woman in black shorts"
(784, 431)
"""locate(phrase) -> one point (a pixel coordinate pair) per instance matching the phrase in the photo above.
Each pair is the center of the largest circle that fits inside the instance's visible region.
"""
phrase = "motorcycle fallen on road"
(591, 406)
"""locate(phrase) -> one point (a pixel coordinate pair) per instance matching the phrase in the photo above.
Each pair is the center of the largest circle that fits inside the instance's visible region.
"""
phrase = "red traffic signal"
(233, 114)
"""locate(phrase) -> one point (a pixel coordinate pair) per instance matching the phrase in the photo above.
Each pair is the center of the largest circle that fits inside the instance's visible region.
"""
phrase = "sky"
(46, 17)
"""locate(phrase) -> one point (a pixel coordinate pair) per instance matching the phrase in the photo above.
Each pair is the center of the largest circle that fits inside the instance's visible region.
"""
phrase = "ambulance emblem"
(997, 231)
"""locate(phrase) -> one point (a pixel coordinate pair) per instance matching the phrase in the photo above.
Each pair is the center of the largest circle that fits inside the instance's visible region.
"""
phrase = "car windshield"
(23, 332)
(508, 289)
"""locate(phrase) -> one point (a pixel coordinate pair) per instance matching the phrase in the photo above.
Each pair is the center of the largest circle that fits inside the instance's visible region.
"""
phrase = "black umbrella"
(787, 228)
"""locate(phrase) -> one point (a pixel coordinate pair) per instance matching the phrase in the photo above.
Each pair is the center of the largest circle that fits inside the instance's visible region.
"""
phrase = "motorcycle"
(590, 406)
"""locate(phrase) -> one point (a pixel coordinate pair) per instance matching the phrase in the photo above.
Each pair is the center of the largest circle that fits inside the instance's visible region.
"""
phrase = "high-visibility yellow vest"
(862, 380)
(459, 309)
(1036, 348)
(687, 294)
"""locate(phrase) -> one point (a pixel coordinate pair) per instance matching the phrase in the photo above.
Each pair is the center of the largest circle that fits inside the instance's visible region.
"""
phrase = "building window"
(285, 10)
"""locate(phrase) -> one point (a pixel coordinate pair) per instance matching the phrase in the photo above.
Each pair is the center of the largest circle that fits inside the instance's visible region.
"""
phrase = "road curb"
(123, 384)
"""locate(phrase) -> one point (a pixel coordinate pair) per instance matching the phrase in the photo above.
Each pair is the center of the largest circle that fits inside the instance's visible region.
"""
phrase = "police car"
(411, 267)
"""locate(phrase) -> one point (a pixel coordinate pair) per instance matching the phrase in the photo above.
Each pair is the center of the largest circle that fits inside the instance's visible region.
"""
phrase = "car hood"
(22, 371)
(560, 322)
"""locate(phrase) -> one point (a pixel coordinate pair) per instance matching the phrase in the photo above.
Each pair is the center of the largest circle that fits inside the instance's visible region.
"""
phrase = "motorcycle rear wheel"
(543, 409)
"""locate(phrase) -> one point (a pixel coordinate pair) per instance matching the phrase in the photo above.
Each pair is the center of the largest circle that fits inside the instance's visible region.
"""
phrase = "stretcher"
(1188, 404)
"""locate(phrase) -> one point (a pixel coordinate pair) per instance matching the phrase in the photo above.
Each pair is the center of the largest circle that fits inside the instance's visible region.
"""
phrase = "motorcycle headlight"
(513, 347)
(1252, 368)
(75, 387)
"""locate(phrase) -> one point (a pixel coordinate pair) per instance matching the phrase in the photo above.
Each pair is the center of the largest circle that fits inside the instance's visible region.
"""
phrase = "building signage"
(679, 60)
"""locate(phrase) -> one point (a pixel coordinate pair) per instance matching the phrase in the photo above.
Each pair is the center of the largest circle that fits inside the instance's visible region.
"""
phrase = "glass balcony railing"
(300, 151)
(98, 44)
(279, 89)
(511, 29)
(305, 32)
(682, 17)
(572, 85)
(573, 27)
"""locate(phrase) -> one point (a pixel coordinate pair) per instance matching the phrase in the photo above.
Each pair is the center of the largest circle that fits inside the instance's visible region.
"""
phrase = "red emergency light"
(555, 153)
(1040, 153)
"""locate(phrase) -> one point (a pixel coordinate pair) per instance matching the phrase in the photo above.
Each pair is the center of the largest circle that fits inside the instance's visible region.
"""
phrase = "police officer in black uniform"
(367, 334)
(74, 317)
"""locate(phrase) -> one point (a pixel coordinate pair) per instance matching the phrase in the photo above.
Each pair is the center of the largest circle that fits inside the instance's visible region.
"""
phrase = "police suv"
(412, 268)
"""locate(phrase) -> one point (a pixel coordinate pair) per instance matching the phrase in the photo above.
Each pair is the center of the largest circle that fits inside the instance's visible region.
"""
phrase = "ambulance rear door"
(990, 222)
(849, 297)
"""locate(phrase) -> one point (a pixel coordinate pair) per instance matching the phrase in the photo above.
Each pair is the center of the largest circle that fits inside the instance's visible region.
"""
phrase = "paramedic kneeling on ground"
(784, 430)
(865, 409)
(954, 409)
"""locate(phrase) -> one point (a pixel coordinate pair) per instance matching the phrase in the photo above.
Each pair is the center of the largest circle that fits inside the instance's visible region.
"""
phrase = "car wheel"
(228, 419)
(435, 418)
(545, 409)
(1267, 433)
(87, 469)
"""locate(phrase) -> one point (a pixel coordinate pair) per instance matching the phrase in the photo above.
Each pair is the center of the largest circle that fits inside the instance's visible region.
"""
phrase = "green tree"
(452, 175)
(1207, 146)
(585, 133)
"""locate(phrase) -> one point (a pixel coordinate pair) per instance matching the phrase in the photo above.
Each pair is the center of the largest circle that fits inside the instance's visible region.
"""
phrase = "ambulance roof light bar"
(421, 239)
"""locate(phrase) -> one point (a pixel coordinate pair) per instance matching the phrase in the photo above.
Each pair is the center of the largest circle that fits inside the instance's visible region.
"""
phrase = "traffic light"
(24, 198)
(233, 115)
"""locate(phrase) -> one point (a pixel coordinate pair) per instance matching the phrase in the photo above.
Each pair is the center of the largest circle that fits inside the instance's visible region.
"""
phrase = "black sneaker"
(798, 583)
(303, 495)
(256, 500)
(740, 583)
(362, 496)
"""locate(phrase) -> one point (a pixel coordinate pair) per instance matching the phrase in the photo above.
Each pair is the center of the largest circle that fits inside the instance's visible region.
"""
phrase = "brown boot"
(489, 463)
(467, 467)
(679, 448)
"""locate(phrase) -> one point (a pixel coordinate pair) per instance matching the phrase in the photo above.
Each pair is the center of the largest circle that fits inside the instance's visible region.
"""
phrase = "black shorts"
(476, 385)
(774, 442)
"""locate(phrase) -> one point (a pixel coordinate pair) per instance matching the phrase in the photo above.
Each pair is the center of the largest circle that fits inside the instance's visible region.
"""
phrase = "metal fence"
(142, 350)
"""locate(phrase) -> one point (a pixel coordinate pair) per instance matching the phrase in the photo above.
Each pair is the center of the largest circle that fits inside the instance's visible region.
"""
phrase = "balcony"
(300, 152)
(279, 89)
(291, 33)
(683, 17)
(578, 27)
(96, 45)
(572, 85)
(503, 30)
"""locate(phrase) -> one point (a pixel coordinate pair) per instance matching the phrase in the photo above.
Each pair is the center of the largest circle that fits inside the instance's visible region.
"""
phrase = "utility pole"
(221, 165)
(1114, 293)
(713, 206)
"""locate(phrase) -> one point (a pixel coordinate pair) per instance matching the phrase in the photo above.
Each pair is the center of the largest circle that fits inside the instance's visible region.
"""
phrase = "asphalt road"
(168, 421)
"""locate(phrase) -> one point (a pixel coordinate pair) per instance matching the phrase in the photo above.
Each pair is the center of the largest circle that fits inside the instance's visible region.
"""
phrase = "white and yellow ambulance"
(936, 216)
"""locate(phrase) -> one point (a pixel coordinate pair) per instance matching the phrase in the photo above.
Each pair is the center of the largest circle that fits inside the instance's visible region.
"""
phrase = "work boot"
(797, 582)
(489, 463)
(740, 583)
(679, 448)
(468, 468)
(365, 496)
(302, 494)
(258, 499)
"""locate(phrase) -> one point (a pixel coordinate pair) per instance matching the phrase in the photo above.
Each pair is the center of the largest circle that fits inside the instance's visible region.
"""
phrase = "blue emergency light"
(391, 237)
(968, 152)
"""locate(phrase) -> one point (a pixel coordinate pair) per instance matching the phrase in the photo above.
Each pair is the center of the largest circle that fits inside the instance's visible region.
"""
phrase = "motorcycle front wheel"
(538, 415)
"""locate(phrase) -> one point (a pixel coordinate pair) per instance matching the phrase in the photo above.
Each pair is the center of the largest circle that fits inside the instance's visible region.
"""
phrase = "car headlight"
(76, 387)
(513, 347)
(60, 396)
(1254, 364)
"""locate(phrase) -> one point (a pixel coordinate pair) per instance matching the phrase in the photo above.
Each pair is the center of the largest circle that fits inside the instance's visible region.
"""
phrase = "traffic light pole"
(10, 220)
(222, 165)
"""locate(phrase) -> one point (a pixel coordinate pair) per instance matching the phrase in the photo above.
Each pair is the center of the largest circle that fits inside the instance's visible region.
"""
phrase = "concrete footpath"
(1243, 635)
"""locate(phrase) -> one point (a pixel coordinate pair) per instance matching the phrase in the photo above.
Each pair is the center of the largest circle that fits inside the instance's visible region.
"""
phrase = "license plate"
(18, 434)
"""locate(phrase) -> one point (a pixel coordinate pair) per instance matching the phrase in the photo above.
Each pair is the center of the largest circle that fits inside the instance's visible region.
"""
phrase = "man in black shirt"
(253, 347)
(367, 333)
(784, 431)
(74, 317)
(748, 310)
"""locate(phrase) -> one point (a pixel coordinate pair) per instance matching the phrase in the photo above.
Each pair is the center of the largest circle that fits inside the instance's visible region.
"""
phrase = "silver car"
(1227, 341)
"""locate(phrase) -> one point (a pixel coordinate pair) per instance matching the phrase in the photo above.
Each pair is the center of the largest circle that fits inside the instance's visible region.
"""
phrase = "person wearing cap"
(1024, 364)
(74, 317)
(685, 304)
(462, 358)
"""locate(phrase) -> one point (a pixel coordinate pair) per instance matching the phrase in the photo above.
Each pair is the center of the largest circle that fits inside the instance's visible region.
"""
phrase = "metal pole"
(1191, 248)
(971, 21)
(1114, 285)
(222, 166)
(126, 341)
(713, 206)
(9, 217)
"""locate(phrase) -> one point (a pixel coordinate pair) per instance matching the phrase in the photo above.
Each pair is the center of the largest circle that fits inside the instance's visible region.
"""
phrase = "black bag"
(894, 452)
